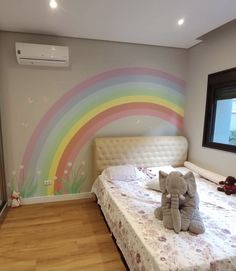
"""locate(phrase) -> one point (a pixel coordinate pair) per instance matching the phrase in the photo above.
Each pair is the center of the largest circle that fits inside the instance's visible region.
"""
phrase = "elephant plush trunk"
(175, 213)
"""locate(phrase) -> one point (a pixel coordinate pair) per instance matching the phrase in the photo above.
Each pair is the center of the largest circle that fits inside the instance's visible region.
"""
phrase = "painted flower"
(213, 266)
(30, 100)
(83, 163)
(21, 166)
(69, 164)
(162, 238)
(24, 124)
(138, 258)
(65, 172)
(225, 231)
(141, 212)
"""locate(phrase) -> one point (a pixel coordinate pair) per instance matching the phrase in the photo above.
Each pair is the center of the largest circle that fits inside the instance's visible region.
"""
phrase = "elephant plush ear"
(191, 183)
(162, 181)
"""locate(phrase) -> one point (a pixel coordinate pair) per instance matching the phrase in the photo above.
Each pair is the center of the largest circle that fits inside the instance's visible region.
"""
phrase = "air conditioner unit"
(42, 55)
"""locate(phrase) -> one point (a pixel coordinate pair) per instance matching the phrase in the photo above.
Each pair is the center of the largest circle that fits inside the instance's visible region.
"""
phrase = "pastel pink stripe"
(82, 87)
(88, 130)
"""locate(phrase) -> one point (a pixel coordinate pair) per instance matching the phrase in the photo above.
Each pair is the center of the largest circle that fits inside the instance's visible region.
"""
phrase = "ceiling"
(152, 22)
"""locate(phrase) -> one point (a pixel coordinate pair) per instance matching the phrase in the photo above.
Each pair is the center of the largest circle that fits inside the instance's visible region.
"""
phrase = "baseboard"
(44, 199)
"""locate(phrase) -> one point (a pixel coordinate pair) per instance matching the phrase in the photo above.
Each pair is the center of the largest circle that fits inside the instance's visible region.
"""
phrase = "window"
(220, 114)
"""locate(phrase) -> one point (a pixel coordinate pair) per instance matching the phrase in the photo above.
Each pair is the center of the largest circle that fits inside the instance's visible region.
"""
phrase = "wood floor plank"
(62, 236)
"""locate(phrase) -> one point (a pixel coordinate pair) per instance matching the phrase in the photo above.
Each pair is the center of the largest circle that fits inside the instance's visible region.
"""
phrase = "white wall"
(27, 92)
(17, 83)
(217, 52)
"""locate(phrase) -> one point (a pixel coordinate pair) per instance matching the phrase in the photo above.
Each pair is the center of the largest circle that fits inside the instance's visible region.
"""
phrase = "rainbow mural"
(71, 122)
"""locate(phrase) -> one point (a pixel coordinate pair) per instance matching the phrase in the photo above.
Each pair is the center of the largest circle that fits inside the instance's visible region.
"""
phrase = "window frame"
(216, 81)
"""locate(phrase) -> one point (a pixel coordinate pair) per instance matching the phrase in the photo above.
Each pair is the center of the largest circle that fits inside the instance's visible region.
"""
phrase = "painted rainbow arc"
(91, 105)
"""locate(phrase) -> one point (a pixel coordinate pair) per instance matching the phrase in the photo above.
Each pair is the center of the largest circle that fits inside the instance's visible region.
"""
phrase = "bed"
(128, 208)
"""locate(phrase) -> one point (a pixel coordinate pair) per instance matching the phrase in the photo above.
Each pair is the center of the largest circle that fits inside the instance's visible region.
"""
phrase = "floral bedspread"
(146, 245)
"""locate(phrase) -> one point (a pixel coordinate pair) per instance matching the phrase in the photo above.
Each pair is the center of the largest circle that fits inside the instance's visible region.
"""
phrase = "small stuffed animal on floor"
(15, 199)
(228, 186)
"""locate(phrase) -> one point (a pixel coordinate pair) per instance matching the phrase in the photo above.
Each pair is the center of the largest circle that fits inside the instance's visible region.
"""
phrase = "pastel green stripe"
(86, 105)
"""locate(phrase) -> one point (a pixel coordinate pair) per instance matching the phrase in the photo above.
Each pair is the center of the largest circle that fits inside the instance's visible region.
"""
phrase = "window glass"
(225, 122)
(232, 136)
(220, 114)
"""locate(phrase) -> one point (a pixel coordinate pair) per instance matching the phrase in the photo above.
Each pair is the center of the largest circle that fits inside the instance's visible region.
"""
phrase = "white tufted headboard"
(139, 151)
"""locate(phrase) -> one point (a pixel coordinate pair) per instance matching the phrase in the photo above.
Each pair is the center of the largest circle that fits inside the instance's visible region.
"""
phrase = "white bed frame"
(154, 152)
(139, 151)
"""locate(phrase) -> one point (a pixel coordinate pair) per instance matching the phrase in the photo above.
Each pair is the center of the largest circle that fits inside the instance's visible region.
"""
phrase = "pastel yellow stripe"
(101, 108)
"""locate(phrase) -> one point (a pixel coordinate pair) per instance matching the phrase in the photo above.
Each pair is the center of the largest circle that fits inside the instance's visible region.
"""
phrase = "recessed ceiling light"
(181, 21)
(53, 4)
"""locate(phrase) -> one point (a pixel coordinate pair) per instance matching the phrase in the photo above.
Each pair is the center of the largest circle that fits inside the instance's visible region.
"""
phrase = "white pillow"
(207, 174)
(154, 183)
(123, 173)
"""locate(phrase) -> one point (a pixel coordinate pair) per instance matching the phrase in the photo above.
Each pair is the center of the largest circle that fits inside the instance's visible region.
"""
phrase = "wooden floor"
(61, 236)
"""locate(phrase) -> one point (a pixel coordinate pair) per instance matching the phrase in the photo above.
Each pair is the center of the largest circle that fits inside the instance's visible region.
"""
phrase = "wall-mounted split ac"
(42, 55)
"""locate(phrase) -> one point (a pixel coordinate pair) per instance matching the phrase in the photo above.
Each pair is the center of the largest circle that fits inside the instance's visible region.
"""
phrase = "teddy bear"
(15, 199)
(228, 186)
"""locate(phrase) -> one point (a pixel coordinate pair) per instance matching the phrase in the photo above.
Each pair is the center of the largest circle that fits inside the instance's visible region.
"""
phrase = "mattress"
(129, 207)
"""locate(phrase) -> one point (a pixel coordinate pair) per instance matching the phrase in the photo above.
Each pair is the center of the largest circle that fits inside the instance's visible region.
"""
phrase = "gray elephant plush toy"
(179, 203)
